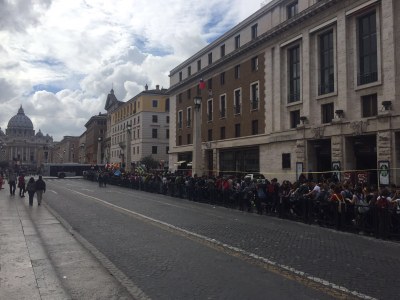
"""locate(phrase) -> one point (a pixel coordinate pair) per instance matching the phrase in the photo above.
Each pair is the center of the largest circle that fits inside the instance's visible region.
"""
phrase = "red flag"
(202, 84)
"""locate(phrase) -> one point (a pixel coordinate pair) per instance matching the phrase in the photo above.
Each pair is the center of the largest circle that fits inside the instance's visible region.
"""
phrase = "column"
(197, 163)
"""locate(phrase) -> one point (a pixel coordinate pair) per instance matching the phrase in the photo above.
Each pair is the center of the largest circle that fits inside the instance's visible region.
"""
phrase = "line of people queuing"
(326, 200)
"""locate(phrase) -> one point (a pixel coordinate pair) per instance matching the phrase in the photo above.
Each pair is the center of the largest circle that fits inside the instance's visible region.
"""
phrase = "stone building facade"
(21, 147)
(299, 86)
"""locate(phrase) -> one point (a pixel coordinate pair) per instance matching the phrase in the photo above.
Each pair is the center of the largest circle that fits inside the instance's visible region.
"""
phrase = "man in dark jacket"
(40, 189)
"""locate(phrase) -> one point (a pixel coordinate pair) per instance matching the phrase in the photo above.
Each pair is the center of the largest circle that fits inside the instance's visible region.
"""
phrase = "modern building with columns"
(20, 146)
(299, 86)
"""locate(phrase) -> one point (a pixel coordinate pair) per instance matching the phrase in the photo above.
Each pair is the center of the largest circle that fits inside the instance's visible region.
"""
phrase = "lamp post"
(197, 167)
(128, 146)
(99, 139)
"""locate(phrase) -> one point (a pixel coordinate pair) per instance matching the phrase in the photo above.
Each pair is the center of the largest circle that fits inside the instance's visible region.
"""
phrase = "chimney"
(157, 87)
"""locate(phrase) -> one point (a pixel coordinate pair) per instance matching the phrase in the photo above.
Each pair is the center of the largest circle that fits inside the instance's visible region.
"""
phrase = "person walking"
(21, 185)
(40, 189)
(31, 188)
(12, 182)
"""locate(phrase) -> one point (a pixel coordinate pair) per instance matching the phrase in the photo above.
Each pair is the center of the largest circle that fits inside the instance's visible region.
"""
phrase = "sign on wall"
(384, 178)
(336, 169)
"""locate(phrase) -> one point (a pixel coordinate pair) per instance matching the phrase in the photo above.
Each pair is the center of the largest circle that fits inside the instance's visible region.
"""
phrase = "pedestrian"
(11, 181)
(21, 185)
(40, 189)
(31, 188)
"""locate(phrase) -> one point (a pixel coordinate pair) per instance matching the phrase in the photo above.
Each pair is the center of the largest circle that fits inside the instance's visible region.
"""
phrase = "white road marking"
(53, 192)
(235, 249)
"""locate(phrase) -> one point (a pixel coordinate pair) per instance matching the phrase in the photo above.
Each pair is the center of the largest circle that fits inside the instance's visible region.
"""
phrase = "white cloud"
(61, 58)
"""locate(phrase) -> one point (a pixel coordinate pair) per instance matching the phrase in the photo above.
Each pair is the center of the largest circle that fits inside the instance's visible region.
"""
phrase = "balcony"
(254, 104)
(293, 97)
(366, 78)
(326, 88)
(236, 109)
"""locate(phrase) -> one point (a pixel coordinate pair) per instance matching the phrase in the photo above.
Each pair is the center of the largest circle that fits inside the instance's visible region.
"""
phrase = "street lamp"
(197, 155)
(99, 139)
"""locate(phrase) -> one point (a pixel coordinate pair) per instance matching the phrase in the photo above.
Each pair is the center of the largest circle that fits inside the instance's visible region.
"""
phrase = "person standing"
(11, 181)
(21, 185)
(31, 188)
(40, 189)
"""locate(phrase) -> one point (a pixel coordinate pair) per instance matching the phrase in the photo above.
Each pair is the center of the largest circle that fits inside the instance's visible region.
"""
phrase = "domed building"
(21, 146)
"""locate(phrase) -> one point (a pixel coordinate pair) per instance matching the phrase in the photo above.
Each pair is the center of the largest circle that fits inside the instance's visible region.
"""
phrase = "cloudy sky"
(59, 59)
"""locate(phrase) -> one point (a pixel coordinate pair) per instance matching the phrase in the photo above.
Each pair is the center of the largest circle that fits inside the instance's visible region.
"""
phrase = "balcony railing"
(179, 125)
(188, 123)
(326, 88)
(293, 97)
(236, 109)
(222, 113)
(209, 116)
(254, 104)
(366, 78)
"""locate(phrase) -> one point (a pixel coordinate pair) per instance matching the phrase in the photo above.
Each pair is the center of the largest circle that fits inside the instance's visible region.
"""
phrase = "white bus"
(65, 169)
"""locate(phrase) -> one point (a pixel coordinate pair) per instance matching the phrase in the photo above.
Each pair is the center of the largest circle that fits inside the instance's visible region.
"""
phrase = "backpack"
(382, 202)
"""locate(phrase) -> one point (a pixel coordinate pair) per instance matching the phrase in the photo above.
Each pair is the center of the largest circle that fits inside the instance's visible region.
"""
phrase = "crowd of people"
(327, 201)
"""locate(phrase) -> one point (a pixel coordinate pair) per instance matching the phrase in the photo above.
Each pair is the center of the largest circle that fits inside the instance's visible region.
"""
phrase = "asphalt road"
(173, 248)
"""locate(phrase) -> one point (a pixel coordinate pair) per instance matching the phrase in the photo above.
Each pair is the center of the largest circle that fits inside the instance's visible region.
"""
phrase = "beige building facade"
(140, 128)
(298, 86)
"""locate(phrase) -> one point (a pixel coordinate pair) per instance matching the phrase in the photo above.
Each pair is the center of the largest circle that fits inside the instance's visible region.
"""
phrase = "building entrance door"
(320, 158)
(366, 157)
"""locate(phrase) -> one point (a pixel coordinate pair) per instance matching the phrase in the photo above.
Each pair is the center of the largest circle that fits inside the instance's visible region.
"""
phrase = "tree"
(149, 162)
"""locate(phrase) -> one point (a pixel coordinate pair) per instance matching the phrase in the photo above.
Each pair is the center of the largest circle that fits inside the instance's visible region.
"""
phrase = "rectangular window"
(326, 73)
(327, 113)
(167, 133)
(237, 41)
(189, 138)
(294, 74)
(155, 118)
(237, 130)
(155, 103)
(294, 118)
(154, 150)
(179, 140)
(154, 133)
(210, 58)
(180, 119)
(209, 83)
(237, 72)
(167, 104)
(180, 97)
(367, 52)
(222, 106)
(209, 110)
(137, 149)
(180, 76)
(167, 119)
(254, 64)
(254, 96)
(199, 65)
(222, 50)
(189, 116)
(222, 78)
(254, 33)
(237, 102)
(167, 150)
(285, 160)
(189, 70)
(222, 133)
(369, 105)
(189, 94)
(209, 135)
(254, 127)
(292, 9)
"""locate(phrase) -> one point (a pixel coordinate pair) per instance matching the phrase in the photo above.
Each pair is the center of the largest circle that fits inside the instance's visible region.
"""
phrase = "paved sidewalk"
(40, 259)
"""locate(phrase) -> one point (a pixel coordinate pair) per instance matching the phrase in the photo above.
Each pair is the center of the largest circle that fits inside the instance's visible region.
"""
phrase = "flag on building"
(202, 84)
